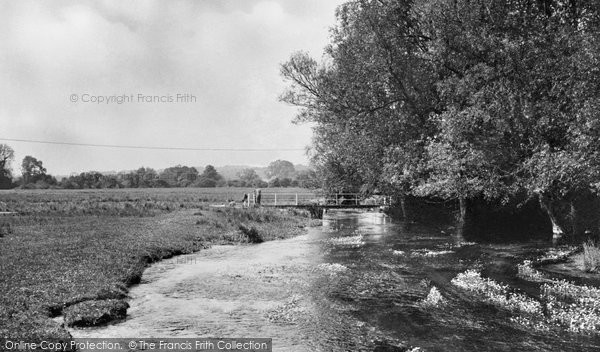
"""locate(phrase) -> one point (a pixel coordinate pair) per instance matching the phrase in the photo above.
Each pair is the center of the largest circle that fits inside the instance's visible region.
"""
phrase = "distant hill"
(300, 167)
(231, 171)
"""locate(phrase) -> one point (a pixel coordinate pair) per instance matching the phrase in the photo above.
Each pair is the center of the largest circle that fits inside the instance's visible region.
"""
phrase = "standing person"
(258, 197)
(245, 199)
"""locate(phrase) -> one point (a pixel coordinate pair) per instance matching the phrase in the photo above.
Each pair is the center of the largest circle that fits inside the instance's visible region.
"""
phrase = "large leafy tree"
(32, 169)
(518, 95)
(249, 177)
(458, 99)
(209, 177)
(373, 92)
(281, 169)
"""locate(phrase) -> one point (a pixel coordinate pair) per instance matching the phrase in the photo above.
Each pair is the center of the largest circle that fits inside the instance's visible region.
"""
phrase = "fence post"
(296, 198)
(275, 198)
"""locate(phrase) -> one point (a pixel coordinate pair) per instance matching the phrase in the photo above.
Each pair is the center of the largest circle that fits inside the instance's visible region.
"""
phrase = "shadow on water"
(356, 284)
(399, 263)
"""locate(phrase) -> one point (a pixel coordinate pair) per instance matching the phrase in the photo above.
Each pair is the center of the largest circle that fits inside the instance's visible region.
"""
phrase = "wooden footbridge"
(326, 201)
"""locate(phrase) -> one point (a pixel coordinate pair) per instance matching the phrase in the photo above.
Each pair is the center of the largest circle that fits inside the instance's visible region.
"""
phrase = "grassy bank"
(76, 253)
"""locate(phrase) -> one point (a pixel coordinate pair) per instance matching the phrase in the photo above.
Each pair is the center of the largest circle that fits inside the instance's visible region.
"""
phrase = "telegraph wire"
(154, 147)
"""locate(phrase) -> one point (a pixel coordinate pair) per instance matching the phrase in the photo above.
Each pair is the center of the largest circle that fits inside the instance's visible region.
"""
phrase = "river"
(355, 284)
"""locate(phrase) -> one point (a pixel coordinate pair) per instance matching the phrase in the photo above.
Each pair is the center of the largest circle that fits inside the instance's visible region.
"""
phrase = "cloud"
(225, 53)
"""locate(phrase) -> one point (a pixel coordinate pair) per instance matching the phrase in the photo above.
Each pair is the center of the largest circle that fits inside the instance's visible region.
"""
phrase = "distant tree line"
(281, 173)
(466, 101)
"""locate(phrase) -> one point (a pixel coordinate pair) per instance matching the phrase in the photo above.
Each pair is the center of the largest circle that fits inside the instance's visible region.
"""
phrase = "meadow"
(76, 252)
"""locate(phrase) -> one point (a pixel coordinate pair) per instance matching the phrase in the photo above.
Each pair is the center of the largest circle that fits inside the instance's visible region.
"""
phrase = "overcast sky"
(57, 57)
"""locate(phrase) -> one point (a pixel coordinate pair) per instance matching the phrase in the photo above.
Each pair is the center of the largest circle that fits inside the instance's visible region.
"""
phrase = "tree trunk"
(575, 221)
(462, 219)
(403, 208)
(546, 204)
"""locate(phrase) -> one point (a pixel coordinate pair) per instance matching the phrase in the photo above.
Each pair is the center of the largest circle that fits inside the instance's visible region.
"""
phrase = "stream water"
(354, 284)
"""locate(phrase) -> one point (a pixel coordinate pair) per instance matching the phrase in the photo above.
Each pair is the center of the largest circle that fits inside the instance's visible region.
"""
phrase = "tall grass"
(76, 252)
(591, 257)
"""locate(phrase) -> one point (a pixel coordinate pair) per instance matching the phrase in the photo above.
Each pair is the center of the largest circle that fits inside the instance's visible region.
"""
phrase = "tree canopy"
(281, 169)
(456, 99)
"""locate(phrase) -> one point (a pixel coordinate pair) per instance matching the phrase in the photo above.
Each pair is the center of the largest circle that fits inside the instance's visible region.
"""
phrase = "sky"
(176, 74)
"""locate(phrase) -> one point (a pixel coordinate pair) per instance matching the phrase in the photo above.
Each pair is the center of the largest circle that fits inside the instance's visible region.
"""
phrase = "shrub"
(316, 212)
(251, 233)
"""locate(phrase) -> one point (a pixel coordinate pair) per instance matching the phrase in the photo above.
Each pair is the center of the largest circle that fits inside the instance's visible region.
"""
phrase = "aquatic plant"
(575, 307)
(428, 253)
(434, 298)
(459, 244)
(354, 241)
(396, 252)
(556, 255)
(496, 293)
(536, 323)
(569, 292)
(471, 280)
(526, 271)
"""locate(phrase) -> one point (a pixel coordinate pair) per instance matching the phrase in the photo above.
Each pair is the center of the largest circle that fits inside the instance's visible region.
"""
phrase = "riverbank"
(360, 282)
(77, 256)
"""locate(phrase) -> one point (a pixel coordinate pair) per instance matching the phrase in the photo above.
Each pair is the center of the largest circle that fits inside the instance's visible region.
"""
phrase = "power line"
(155, 148)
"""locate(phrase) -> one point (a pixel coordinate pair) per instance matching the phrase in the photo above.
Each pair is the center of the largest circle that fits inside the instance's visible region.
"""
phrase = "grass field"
(76, 252)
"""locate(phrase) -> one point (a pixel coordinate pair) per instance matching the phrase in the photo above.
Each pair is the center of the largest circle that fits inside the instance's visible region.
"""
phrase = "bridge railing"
(287, 198)
(336, 199)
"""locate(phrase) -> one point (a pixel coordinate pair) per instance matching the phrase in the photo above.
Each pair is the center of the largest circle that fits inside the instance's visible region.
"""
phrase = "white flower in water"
(461, 244)
(436, 253)
(526, 271)
(429, 254)
(348, 241)
(415, 349)
(399, 253)
(434, 298)
(574, 307)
